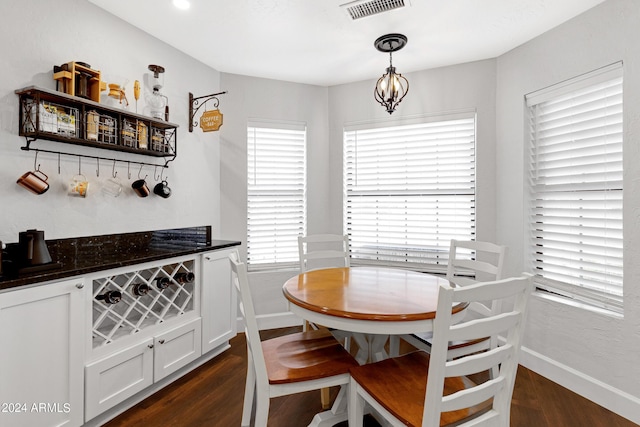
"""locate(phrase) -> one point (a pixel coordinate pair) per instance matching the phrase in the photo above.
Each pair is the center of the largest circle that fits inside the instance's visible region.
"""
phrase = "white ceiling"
(316, 42)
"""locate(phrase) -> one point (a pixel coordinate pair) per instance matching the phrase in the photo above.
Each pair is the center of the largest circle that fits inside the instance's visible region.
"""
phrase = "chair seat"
(305, 356)
(401, 390)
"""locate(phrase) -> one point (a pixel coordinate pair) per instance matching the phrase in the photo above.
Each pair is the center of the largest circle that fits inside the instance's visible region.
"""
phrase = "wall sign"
(211, 120)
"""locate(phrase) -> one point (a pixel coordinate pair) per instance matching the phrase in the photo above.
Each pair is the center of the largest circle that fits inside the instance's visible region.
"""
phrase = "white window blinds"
(276, 204)
(576, 188)
(409, 190)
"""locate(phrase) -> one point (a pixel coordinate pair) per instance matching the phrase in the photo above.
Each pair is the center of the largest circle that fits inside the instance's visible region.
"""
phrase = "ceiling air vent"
(363, 8)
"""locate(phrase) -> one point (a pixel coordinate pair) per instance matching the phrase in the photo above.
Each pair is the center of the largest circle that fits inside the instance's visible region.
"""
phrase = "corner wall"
(258, 98)
(589, 352)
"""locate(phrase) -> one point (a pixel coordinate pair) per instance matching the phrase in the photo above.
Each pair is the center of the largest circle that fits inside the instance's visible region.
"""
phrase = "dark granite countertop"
(84, 255)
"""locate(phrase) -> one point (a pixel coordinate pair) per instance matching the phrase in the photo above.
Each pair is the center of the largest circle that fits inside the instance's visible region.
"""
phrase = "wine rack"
(136, 310)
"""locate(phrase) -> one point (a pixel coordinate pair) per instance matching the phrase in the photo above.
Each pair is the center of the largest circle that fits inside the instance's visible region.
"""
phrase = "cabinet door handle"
(150, 346)
(208, 258)
(80, 285)
(161, 341)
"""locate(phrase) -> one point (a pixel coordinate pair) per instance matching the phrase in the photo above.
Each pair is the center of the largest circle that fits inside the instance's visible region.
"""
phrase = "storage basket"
(134, 134)
(51, 118)
(101, 127)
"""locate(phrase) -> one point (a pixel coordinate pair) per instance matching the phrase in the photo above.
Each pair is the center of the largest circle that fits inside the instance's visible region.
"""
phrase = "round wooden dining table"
(369, 300)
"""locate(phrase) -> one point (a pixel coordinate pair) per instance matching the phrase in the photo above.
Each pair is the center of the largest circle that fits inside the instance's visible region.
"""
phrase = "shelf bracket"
(195, 104)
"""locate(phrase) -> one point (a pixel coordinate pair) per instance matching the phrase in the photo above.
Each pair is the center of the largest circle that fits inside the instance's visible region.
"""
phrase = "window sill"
(577, 304)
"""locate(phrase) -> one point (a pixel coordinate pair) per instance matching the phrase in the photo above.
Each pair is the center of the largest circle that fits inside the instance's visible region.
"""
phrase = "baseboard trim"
(622, 403)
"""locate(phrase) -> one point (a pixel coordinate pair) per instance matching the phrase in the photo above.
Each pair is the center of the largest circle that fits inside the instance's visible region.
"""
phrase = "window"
(276, 205)
(409, 190)
(576, 188)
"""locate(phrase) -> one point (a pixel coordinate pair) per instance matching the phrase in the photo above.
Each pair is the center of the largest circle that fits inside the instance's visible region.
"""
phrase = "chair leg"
(249, 392)
(356, 406)
(262, 406)
(325, 398)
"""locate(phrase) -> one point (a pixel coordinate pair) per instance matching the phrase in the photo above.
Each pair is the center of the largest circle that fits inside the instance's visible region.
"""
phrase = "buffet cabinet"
(91, 347)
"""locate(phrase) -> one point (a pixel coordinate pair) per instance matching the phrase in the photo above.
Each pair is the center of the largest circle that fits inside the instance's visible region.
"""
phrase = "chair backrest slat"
(478, 362)
(490, 326)
(323, 250)
(468, 398)
(486, 263)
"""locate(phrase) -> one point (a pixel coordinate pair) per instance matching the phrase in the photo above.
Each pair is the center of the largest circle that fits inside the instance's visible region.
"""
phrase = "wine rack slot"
(142, 301)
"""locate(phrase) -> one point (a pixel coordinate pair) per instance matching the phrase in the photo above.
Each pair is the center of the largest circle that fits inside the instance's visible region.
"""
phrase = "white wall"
(36, 35)
(592, 353)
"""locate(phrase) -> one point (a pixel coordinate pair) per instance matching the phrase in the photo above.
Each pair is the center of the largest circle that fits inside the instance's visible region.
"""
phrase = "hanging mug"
(112, 187)
(78, 186)
(35, 181)
(162, 189)
(140, 187)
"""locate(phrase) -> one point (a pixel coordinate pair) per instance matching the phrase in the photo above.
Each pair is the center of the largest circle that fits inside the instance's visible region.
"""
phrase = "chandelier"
(391, 88)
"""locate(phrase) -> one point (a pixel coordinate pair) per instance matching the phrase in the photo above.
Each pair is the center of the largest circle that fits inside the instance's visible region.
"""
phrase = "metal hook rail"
(97, 158)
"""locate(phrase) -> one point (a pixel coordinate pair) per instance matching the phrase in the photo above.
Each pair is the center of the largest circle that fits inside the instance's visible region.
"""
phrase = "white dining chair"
(285, 365)
(422, 390)
(324, 251)
(332, 250)
(469, 262)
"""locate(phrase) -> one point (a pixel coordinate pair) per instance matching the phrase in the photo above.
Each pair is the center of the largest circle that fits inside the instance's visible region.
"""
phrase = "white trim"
(277, 124)
(603, 74)
(622, 403)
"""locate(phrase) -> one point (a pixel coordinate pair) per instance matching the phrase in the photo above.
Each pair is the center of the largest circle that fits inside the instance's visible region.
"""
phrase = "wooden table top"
(367, 293)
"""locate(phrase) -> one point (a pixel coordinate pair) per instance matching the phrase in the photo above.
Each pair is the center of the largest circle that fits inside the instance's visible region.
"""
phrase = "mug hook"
(145, 177)
(79, 165)
(35, 162)
(98, 169)
(129, 169)
(114, 173)
(155, 173)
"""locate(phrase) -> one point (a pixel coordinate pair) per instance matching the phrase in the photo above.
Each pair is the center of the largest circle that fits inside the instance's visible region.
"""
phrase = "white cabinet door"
(218, 303)
(176, 348)
(41, 361)
(115, 378)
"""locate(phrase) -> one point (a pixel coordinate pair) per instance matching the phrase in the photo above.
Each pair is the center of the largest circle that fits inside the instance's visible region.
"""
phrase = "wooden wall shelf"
(57, 116)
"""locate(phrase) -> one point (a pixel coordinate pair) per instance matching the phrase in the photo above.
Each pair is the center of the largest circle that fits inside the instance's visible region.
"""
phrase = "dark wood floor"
(212, 396)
